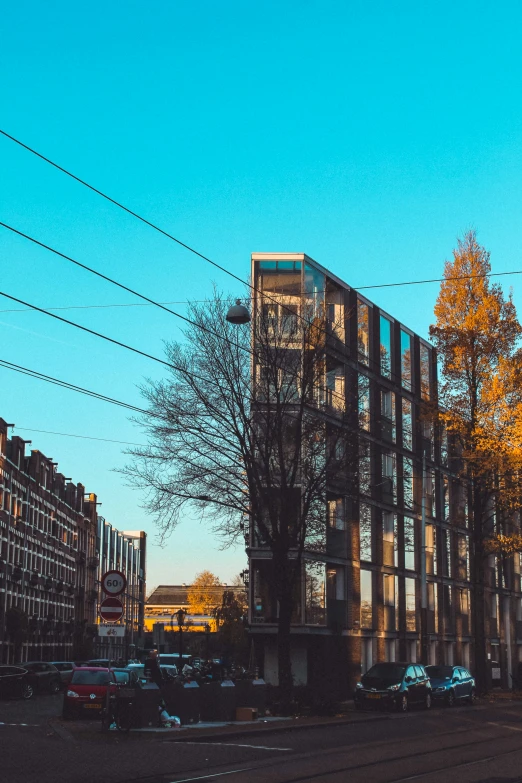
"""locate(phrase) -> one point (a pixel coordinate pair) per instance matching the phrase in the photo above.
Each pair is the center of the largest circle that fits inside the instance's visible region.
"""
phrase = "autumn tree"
(476, 335)
(205, 593)
(244, 432)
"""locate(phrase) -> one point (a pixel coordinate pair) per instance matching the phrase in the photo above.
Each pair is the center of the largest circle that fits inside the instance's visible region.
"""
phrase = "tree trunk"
(284, 660)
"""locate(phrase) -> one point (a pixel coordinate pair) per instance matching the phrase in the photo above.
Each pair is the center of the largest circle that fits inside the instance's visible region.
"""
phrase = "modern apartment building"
(126, 552)
(47, 545)
(392, 581)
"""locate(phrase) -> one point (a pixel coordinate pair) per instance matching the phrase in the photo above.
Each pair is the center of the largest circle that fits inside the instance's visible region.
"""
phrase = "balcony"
(34, 579)
(16, 574)
(80, 557)
(93, 563)
(92, 595)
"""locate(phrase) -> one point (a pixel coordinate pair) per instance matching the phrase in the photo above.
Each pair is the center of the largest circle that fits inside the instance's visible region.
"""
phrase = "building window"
(388, 415)
(409, 543)
(406, 363)
(336, 514)
(389, 593)
(407, 482)
(364, 467)
(363, 402)
(407, 424)
(444, 445)
(433, 604)
(431, 549)
(446, 552)
(366, 599)
(444, 502)
(425, 361)
(385, 347)
(363, 331)
(389, 539)
(463, 572)
(335, 584)
(409, 590)
(315, 593)
(365, 532)
(335, 388)
(388, 477)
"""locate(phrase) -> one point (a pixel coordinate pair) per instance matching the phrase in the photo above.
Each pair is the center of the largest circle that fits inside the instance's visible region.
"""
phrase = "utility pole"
(424, 586)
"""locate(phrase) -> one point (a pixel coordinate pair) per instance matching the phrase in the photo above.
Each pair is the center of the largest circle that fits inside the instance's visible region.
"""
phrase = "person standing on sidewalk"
(152, 669)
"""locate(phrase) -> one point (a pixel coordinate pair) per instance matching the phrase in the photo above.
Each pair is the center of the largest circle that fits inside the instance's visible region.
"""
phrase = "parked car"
(104, 663)
(66, 669)
(14, 682)
(43, 676)
(138, 671)
(170, 659)
(451, 684)
(393, 685)
(87, 691)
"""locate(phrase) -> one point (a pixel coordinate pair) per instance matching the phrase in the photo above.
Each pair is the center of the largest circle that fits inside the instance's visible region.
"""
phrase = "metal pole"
(424, 586)
(180, 648)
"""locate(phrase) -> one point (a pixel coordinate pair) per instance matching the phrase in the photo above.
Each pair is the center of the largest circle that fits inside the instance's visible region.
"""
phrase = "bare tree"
(245, 431)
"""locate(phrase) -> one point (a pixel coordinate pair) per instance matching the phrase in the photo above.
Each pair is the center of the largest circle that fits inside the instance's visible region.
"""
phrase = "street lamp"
(180, 617)
(238, 314)
(207, 641)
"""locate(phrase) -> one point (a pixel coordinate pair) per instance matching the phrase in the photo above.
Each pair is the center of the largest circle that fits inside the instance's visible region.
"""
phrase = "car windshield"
(439, 672)
(90, 678)
(386, 671)
(122, 676)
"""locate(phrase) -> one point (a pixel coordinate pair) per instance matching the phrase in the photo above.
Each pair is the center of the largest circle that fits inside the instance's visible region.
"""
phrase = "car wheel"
(450, 699)
(27, 691)
(472, 700)
(402, 703)
(55, 687)
(427, 701)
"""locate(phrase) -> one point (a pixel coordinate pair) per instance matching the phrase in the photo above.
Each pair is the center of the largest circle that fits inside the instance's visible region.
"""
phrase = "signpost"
(111, 610)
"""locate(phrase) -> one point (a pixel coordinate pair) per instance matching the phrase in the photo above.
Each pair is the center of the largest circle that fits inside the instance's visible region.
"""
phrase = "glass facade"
(365, 528)
(406, 360)
(363, 332)
(385, 347)
(366, 599)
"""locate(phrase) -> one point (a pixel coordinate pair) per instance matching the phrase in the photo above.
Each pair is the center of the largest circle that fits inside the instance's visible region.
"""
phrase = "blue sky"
(369, 136)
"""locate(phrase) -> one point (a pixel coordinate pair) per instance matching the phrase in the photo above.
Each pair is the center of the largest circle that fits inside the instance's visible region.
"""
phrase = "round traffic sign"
(113, 583)
(111, 610)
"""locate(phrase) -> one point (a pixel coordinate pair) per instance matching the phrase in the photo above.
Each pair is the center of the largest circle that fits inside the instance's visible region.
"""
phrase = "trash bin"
(148, 701)
(218, 701)
(183, 701)
(259, 696)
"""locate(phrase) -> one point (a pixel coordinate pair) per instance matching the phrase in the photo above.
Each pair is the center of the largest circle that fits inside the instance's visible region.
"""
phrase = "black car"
(43, 676)
(393, 685)
(451, 684)
(14, 682)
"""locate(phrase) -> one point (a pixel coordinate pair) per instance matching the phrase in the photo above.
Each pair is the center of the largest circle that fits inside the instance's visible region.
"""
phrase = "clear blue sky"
(368, 135)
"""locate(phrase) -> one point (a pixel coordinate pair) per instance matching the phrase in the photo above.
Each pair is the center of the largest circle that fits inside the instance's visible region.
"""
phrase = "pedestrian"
(152, 669)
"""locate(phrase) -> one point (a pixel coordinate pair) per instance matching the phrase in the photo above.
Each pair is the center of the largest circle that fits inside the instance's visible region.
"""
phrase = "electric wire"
(70, 386)
(201, 255)
(83, 437)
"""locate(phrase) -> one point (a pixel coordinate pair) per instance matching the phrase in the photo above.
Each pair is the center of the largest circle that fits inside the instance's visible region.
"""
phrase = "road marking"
(215, 775)
(231, 745)
(32, 725)
(502, 726)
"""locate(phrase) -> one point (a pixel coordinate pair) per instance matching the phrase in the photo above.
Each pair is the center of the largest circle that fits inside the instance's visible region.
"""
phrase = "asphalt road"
(465, 744)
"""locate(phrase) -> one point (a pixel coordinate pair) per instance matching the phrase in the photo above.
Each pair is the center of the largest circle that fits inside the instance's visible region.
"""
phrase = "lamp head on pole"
(238, 314)
(180, 616)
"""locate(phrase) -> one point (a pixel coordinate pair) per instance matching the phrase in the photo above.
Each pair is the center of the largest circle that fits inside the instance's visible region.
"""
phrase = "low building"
(166, 600)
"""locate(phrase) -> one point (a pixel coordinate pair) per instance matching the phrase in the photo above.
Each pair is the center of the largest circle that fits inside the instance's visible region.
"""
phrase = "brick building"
(47, 550)
(360, 599)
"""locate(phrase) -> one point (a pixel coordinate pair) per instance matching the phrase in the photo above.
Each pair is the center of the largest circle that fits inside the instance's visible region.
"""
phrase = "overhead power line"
(70, 386)
(83, 437)
(201, 255)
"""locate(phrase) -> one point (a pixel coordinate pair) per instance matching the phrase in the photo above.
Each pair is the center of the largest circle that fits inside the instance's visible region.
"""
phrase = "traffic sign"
(111, 610)
(113, 583)
(111, 631)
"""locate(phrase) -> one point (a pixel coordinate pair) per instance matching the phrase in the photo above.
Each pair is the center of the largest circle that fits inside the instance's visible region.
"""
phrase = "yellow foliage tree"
(205, 593)
(476, 336)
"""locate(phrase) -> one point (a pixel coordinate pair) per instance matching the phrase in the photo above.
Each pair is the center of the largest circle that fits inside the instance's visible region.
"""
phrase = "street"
(465, 744)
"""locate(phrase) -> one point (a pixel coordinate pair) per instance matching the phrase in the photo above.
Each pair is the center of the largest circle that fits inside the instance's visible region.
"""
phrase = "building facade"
(392, 581)
(126, 552)
(47, 542)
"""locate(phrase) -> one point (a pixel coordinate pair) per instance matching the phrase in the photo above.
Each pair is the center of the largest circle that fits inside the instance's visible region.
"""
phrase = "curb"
(197, 736)
(62, 732)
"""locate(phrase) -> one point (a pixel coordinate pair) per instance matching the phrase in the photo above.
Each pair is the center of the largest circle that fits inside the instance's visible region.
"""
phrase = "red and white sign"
(111, 610)
(113, 583)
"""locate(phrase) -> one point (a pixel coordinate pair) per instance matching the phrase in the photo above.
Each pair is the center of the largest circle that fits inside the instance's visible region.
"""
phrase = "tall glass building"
(360, 596)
